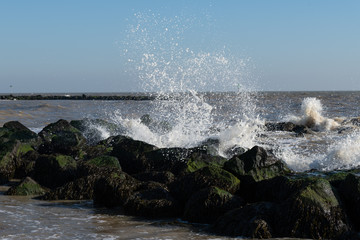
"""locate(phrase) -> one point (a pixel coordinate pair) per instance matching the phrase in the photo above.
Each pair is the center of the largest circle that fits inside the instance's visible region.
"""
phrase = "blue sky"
(78, 46)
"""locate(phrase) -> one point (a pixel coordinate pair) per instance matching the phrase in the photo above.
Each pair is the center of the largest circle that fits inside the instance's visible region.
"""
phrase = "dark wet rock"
(105, 161)
(26, 187)
(257, 164)
(131, 153)
(350, 192)
(208, 176)
(181, 161)
(234, 150)
(280, 126)
(152, 199)
(96, 130)
(55, 170)
(15, 141)
(114, 189)
(79, 189)
(249, 221)
(94, 151)
(206, 205)
(310, 210)
(62, 138)
(355, 121)
(14, 130)
(164, 177)
(315, 212)
(289, 127)
(15, 160)
(210, 146)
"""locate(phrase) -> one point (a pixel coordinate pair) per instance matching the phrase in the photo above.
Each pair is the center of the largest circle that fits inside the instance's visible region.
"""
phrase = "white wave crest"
(312, 116)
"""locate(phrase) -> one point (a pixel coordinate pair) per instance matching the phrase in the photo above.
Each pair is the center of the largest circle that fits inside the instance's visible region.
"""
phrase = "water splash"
(312, 116)
(182, 80)
(344, 153)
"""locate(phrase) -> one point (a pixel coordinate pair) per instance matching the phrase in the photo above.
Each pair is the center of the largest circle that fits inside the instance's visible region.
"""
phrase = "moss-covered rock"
(257, 164)
(16, 141)
(105, 161)
(207, 176)
(350, 192)
(114, 189)
(55, 170)
(152, 199)
(164, 177)
(62, 138)
(79, 189)
(131, 153)
(14, 130)
(314, 212)
(252, 221)
(26, 187)
(206, 205)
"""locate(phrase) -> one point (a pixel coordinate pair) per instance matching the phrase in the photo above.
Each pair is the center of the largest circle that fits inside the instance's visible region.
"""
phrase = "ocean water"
(185, 120)
(189, 118)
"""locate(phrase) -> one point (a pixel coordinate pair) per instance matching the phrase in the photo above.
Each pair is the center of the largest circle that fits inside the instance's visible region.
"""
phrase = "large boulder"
(181, 161)
(251, 221)
(256, 164)
(350, 192)
(15, 142)
(26, 187)
(114, 189)
(206, 205)
(164, 177)
(184, 187)
(79, 189)
(299, 208)
(52, 171)
(152, 199)
(131, 153)
(62, 138)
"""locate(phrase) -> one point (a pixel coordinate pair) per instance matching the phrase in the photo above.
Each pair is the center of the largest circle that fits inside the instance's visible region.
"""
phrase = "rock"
(350, 192)
(15, 141)
(113, 190)
(235, 150)
(257, 164)
(52, 171)
(210, 146)
(164, 177)
(281, 126)
(299, 208)
(17, 131)
(250, 221)
(206, 205)
(62, 138)
(105, 161)
(208, 176)
(181, 161)
(314, 212)
(153, 200)
(26, 187)
(79, 189)
(131, 153)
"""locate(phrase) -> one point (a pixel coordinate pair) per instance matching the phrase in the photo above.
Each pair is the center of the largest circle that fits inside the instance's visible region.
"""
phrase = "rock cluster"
(252, 194)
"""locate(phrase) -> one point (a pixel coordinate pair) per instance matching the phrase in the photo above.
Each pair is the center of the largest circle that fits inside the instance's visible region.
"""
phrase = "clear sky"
(78, 46)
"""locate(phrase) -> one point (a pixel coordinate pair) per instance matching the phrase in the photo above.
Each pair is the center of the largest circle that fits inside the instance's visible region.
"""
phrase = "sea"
(183, 119)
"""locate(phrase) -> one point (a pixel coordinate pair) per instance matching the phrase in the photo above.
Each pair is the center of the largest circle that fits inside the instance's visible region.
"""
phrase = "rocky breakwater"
(251, 194)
